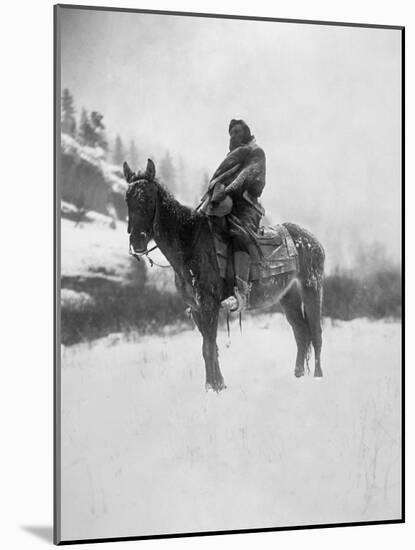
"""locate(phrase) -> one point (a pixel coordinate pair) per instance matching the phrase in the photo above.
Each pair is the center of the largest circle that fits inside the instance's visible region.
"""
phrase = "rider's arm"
(250, 174)
(235, 157)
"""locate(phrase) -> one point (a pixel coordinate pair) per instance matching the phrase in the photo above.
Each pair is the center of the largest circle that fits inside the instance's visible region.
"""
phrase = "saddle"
(277, 254)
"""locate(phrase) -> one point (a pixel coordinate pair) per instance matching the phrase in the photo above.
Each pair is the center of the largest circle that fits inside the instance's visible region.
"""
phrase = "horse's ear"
(150, 170)
(128, 173)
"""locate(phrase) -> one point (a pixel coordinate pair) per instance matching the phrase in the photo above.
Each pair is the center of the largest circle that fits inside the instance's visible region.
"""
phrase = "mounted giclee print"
(228, 274)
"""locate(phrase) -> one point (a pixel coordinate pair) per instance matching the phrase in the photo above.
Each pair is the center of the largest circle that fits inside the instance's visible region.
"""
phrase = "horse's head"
(141, 202)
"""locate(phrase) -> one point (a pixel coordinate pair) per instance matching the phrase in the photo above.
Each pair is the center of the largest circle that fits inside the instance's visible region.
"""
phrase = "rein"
(137, 256)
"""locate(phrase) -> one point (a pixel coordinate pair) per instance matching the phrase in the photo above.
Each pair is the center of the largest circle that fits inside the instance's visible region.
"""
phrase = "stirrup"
(238, 302)
(231, 304)
(242, 299)
(242, 291)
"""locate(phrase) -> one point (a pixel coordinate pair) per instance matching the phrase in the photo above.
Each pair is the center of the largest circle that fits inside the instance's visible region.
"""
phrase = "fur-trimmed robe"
(246, 168)
(242, 170)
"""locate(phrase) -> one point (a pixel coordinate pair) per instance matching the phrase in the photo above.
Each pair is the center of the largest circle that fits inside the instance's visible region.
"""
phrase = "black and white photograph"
(228, 248)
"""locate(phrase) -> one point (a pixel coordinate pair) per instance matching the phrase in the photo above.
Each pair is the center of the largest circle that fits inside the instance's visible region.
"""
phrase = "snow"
(96, 156)
(71, 299)
(93, 246)
(145, 450)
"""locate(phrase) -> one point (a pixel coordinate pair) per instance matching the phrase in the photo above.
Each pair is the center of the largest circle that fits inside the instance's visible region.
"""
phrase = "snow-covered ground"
(145, 450)
(94, 247)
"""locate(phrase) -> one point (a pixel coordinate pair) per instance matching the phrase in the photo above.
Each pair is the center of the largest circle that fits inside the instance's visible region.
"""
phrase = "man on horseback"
(232, 204)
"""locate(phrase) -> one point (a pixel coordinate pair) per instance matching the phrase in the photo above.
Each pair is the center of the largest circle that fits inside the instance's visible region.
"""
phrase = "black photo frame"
(58, 11)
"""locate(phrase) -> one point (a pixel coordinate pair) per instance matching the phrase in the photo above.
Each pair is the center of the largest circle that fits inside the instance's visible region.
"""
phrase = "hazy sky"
(324, 102)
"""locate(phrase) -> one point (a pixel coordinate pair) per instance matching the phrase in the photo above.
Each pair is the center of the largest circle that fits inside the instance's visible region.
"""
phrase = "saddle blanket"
(279, 254)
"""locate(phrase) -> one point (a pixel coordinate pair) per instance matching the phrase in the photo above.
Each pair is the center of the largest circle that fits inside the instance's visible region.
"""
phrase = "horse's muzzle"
(138, 243)
(136, 253)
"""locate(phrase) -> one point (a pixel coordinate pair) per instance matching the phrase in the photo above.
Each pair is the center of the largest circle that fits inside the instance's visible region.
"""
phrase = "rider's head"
(239, 132)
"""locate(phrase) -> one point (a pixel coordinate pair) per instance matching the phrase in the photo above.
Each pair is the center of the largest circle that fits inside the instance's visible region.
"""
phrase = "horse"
(184, 237)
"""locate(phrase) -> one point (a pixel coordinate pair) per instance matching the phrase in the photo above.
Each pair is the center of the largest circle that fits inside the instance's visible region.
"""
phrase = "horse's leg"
(220, 383)
(207, 323)
(291, 303)
(312, 305)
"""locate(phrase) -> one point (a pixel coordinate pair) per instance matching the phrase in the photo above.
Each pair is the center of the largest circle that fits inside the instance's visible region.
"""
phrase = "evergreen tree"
(118, 155)
(167, 172)
(68, 121)
(133, 156)
(99, 139)
(85, 133)
(92, 130)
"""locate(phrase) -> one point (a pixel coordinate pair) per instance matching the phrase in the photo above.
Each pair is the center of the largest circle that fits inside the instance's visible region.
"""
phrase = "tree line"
(91, 131)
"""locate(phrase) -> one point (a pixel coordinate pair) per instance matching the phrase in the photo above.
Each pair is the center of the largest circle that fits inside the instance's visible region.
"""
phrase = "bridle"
(145, 253)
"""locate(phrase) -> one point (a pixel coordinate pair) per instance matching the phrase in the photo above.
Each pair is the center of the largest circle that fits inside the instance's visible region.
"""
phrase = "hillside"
(88, 180)
(103, 288)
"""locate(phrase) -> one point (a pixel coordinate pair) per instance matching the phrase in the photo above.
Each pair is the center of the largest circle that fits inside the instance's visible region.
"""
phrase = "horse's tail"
(311, 257)
(309, 344)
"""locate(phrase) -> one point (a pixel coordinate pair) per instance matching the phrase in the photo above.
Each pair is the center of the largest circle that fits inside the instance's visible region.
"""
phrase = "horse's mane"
(184, 214)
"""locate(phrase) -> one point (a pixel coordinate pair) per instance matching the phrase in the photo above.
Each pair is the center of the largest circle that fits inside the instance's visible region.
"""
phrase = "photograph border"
(57, 275)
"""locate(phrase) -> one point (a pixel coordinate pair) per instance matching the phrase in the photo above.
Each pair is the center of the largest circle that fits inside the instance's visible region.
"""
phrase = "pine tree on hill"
(167, 172)
(99, 137)
(85, 132)
(92, 130)
(118, 155)
(68, 121)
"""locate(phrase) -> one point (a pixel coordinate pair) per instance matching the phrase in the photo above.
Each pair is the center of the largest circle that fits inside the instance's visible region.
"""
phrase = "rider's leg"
(241, 263)
(248, 218)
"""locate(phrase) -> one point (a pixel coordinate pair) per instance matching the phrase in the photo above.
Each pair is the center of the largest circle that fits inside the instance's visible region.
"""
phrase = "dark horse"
(184, 237)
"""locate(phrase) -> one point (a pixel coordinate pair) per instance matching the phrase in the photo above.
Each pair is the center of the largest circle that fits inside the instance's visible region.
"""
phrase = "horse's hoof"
(318, 374)
(298, 373)
(215, 387)
(220, 386)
